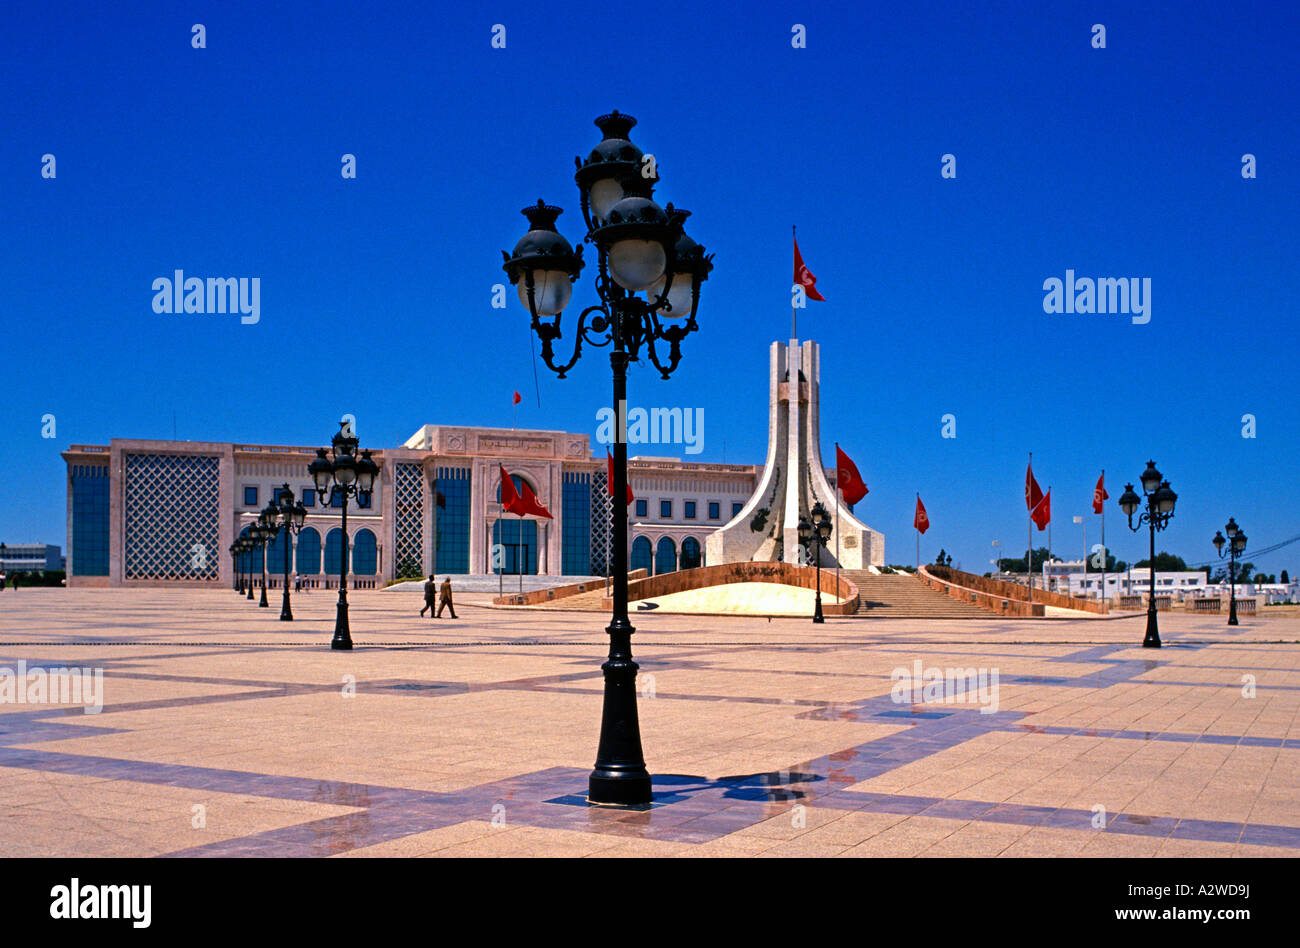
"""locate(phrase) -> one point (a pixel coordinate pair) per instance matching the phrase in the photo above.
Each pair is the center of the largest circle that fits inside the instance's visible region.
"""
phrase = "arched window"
(275, 553)
(308, 552)
(691, 553)
(665, 556)
(517, 539)
(641, 553)
(333, 552)
(364, 552)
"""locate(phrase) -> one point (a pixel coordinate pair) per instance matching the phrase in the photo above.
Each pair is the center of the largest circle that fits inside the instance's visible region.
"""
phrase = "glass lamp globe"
(637, 264)
(605, 193)
(679, 295)
(551, 291)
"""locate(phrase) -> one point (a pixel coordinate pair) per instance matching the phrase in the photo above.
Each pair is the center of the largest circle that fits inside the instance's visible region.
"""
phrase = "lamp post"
(254, 544)
(291, 517)
(1160, 499)
(234, 566)
(268, 529)
(820, 533)
(349, 475)
(241, 551)
(641, 248)
(1236, 543)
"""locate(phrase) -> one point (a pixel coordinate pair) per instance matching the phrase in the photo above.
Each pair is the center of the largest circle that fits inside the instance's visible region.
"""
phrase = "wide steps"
(903, 596)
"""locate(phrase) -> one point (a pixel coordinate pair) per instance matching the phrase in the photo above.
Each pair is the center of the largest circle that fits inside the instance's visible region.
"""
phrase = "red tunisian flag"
(804, 277)
(1033, 493)
(517, 399)
(531, 505)
(920, 521)
(1099, 494)
(510, 499)
(609, 477)
(1042, 514)
(847, 478)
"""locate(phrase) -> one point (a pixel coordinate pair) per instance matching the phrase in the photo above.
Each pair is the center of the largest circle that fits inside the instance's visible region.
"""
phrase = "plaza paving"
(227, 732)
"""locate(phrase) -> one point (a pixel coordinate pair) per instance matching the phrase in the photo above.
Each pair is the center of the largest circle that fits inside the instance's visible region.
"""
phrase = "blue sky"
(1115, 162)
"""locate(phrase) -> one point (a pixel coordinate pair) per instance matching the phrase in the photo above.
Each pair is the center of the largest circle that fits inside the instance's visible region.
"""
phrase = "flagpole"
(1049, 539)
(519, 548)
(1029, 542)
(837, 518)
(1103, 540)
(794, 325)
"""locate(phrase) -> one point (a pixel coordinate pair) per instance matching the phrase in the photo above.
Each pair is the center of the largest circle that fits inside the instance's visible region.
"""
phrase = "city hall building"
(166, 512)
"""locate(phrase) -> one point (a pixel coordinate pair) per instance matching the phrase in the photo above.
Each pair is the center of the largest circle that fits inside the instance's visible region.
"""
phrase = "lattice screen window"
(602, 530)
(408, 519)
(171, 517)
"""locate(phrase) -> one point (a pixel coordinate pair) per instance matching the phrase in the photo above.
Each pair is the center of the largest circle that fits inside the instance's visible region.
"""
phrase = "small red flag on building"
(920, 521)
(517, 399)
(1099, 494)
(804, 277)
(609, 476)
(531, 505)
(847, 478)
(509, 496)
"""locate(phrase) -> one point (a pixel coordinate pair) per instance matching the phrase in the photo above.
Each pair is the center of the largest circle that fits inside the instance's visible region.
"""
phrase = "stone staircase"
(903, 596)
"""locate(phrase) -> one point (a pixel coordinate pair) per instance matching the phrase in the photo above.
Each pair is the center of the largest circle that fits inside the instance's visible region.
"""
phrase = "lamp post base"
(263, 604)
(1232, 613)
(342, 633)
(620, 777)
(286, 613)
(1152, 639)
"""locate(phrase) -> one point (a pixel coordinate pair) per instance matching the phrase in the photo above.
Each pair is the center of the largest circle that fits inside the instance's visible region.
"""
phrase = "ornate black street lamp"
(268, 530)
(291, 516)
(641, 248)
(343, 472)
(819, 531)
(1236, 543)
(254, 544)
(234, 567)
(242, 547)
(1160, 499)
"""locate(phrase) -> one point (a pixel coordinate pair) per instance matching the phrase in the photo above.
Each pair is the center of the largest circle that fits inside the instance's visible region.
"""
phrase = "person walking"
(446, 599)
(430, 597)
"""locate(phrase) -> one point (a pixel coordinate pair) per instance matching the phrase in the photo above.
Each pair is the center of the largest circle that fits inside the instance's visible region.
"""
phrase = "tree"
(1165, 563)
(1285, 577)
(1263, 578)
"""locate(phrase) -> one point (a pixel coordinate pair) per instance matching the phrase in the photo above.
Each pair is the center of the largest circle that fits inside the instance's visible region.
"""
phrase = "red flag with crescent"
(847, 478)
(509, 496)
(921, 521)
(804, 277)
(1099, 494)
(1033, 493)
(609, 476)
(1042, 514)
(531, 505)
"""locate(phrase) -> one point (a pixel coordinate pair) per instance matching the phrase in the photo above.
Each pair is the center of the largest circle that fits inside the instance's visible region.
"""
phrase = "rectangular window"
(715, 510)
(690, 510)
(575, 525)
(250, 496)
(88, 543)
(309, 497)
(736, 509)
(451, 541)
(336, 498)
(642, 508)
(364, 498)
(666, 509)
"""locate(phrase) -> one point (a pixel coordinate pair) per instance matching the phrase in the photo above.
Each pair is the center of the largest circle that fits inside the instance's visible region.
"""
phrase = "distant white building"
(30, 558)
(1070, 577)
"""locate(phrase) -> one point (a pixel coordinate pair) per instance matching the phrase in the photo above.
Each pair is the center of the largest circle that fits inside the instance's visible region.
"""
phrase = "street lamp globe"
(1231, 527)
(1151, 478)
(1165, 498)
(600, 177)
(636, 237)
(1128, 501)
(321, 471)
(366, 471)
(691, 267)
(543, 263)
(1239, 542)
(1218, 542)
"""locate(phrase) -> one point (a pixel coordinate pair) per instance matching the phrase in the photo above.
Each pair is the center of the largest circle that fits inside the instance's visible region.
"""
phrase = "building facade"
(30, 558)
(165, 512)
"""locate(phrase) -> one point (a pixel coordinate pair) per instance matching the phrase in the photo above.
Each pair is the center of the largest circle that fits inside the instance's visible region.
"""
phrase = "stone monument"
(794, 479)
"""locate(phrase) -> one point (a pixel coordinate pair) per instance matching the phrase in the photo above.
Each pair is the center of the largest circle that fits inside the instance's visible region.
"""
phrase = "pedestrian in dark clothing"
(446, 599)
(430, 597)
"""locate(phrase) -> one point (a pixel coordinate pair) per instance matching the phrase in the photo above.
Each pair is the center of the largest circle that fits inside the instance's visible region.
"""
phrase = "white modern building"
(30, 558)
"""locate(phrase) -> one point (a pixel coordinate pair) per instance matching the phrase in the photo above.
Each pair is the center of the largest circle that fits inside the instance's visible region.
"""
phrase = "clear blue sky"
(376, 291)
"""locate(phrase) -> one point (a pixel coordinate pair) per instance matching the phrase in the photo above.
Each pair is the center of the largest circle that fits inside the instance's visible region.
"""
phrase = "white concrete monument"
(794, 479)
